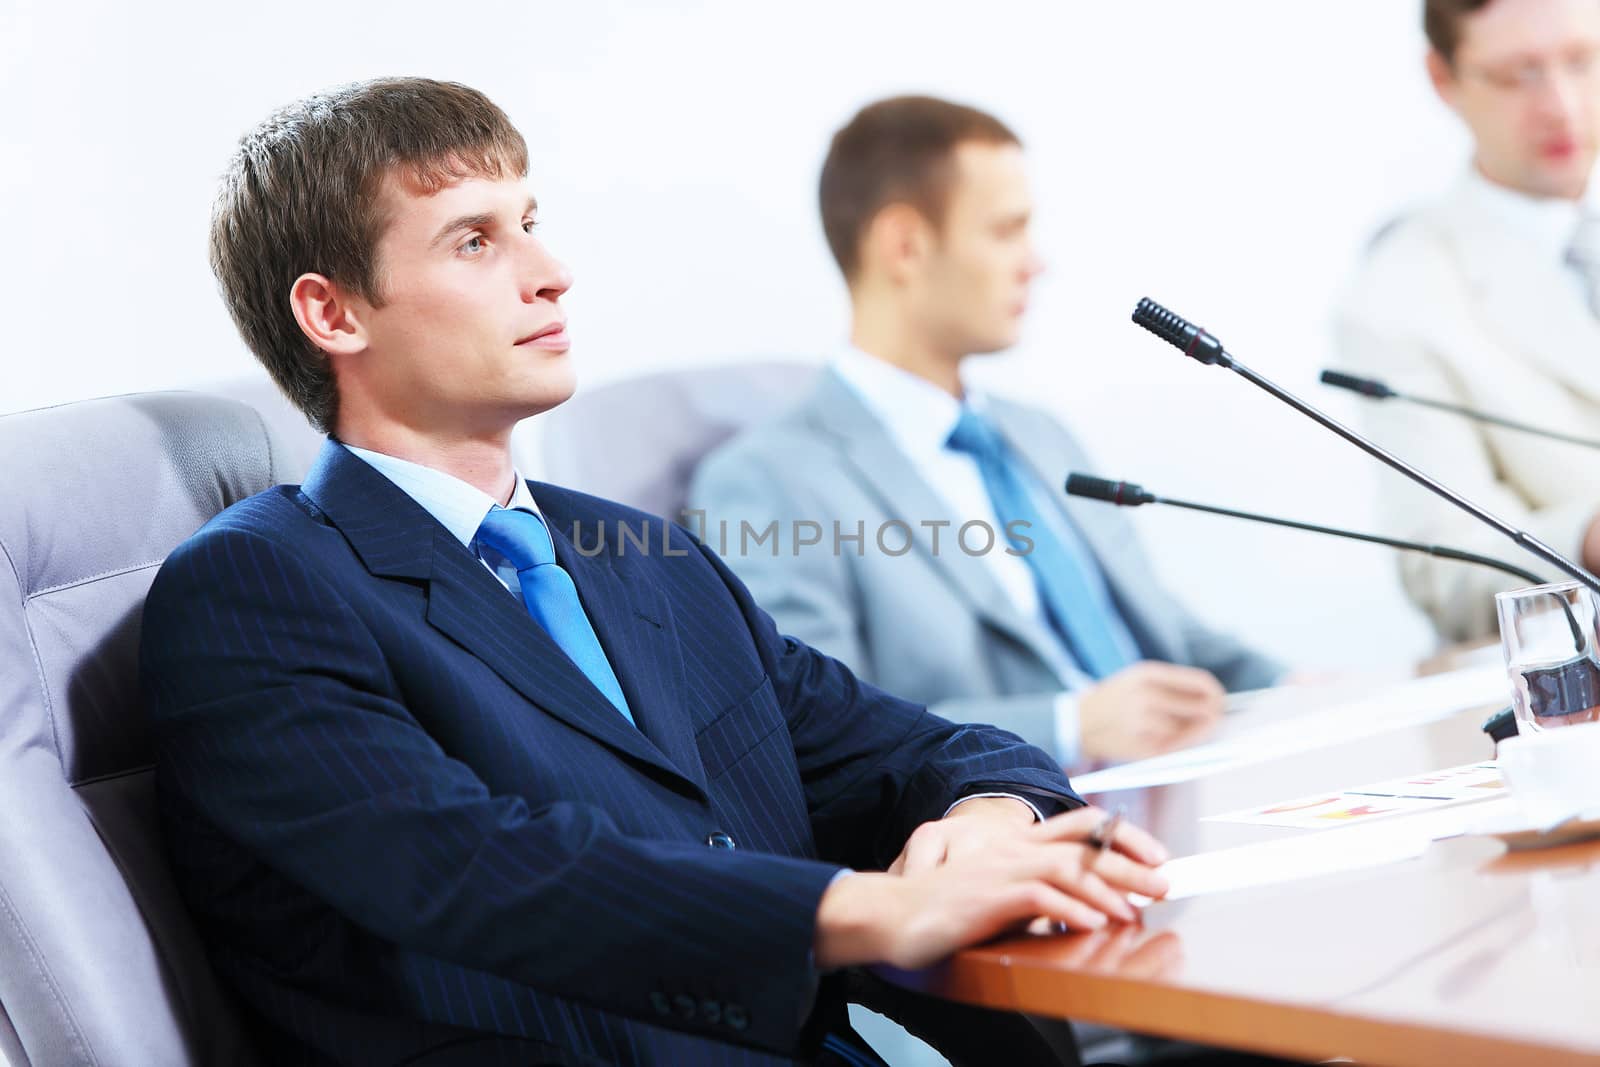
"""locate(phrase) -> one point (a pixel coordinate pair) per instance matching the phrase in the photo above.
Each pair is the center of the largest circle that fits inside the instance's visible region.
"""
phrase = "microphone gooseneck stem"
(1373, 389)
(1441, 551)
(1498, 420)
(1132, 495)
(1527, 541)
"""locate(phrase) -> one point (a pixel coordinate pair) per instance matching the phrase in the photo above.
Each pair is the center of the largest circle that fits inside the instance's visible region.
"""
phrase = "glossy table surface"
(1466, 955)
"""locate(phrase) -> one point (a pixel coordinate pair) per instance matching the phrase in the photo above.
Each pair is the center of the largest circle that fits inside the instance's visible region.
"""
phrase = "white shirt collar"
(917, 414)
(458, 505)
(1548, 222)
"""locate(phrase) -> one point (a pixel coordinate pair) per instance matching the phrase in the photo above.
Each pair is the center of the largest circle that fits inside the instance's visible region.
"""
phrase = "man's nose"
(543, 275)
(1564, 94)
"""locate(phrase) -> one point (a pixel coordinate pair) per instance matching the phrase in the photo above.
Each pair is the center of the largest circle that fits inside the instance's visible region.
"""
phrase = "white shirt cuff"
(1038, 816)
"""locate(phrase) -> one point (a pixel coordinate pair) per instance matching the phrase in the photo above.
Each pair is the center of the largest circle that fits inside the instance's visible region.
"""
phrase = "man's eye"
(472, 244)
(529, 225)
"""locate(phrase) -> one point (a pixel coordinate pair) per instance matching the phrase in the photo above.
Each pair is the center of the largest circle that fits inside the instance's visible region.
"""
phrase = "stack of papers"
(1381, 800)
(1312, 855)
(1413, 703)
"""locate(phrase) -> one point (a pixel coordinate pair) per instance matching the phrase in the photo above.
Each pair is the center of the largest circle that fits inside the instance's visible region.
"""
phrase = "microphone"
(1129, 494)
(1376, 390)
(1198, 344)
(1133, 495)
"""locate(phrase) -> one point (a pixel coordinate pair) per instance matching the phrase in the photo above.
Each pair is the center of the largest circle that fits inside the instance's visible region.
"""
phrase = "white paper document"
(1339, 808)
(1411, 703)
(1311, 855)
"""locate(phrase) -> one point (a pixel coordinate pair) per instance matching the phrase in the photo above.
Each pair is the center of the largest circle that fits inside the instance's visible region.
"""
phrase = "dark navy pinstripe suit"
(411, 830)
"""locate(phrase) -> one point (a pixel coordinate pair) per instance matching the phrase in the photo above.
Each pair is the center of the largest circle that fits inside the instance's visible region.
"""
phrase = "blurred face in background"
(1526, 80)
(971, 286)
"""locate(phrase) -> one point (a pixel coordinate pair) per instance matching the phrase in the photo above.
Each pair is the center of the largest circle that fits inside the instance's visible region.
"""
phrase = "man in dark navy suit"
(441, 788)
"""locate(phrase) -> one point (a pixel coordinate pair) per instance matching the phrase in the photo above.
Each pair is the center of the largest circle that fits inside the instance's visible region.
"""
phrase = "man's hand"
(970, 828)
(1147, 709)
(1047, 870)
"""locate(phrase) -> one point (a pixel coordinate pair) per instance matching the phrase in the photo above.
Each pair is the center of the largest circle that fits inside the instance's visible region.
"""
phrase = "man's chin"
(998, 345)
(555, 386)
(1565, 181)
(540, 405)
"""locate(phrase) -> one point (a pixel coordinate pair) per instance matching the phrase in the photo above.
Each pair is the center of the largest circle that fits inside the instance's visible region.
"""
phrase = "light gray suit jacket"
(932, 627)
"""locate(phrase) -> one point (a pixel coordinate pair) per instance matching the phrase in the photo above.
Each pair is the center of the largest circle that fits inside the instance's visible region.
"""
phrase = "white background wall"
(1228, 158)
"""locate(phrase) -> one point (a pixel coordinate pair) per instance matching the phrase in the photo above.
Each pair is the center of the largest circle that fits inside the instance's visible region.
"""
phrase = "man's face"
(973, 287)
(1526, 80)
(471, 336)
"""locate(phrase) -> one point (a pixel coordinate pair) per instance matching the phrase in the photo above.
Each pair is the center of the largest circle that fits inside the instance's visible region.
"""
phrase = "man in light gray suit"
(930, 546)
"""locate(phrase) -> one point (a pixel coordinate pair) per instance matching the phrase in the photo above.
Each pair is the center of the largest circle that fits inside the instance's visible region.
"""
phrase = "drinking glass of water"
(1548, 633)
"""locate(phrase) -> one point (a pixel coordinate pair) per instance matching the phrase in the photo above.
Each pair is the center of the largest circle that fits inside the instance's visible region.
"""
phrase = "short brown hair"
(1441, 21)
(895, 151)
(304, 192)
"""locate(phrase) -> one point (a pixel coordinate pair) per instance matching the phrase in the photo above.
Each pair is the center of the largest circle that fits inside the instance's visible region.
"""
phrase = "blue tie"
(550, 596)
(1073, 592)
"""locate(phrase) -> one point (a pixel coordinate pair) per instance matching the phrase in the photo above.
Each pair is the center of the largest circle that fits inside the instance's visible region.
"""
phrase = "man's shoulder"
(1017, 416)
(795, 444)
(251, 545)
(590, 520)
(1422, 233)
(278, 514)
(1409, 258)
(559, 500)
(281, 521)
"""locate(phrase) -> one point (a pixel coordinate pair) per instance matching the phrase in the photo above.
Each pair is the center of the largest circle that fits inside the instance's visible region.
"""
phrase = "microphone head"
(1124, 494)
(1365, 386)
(1180, 333)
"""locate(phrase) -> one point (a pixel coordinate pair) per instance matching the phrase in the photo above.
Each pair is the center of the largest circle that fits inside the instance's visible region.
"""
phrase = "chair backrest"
(294, 441)
(638, 441)
(99, 963)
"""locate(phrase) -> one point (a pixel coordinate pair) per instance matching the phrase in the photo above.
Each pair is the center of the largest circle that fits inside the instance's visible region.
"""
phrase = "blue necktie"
(550, 596)
(1074, 596)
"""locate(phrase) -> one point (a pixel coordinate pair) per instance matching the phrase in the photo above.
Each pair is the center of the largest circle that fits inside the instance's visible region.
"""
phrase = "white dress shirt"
(1547, 224)
(919, 417)
(459, 506)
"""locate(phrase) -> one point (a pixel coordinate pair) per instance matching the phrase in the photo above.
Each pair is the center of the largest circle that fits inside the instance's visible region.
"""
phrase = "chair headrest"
(96, 494)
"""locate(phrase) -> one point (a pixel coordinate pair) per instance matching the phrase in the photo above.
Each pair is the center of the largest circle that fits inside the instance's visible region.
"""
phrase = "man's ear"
(1443, 77)
(332, 317)
(898, 241)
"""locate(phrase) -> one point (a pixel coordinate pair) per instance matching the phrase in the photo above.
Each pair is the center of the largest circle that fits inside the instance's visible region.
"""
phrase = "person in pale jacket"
(1071, 641)
(1489, 297)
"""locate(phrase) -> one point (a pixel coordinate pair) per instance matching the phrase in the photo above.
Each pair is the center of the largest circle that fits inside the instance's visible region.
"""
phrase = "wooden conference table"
(1467, 955)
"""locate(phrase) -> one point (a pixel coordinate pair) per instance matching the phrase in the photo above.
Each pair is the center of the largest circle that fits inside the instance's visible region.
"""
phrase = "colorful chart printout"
(1400, 796)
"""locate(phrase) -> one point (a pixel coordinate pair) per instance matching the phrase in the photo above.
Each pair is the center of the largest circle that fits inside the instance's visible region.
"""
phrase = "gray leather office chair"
(296, 444)
(638, 441)
(99, 963)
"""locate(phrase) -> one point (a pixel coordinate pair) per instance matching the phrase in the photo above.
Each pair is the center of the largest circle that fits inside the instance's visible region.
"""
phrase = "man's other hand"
(1049, 870)
(1147, 709)
(967, 830)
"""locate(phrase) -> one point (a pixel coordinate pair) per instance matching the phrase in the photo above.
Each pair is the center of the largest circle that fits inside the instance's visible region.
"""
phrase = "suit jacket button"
(711, 1011)
(685, 1005)
(735, 1016)
(661, 1004)
(720, 839)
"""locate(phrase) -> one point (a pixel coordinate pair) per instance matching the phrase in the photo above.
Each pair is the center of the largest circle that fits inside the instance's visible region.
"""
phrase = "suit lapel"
(396, 538)
(884, 469)
(1550, 325)
(634, 622)
(1099, 525)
